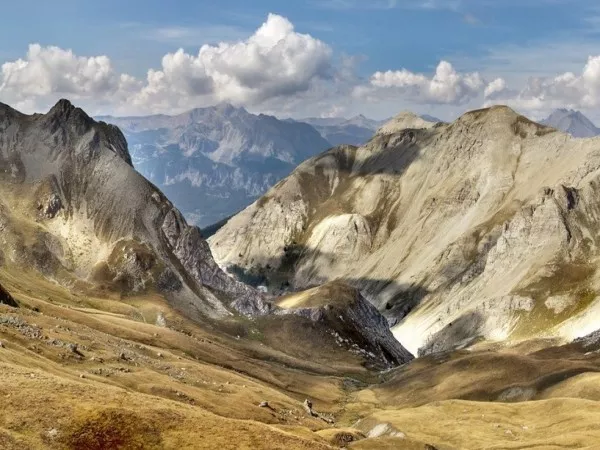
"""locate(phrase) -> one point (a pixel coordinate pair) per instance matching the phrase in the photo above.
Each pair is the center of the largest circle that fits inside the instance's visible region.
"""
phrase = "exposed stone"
(6, 298)
(118, 229)
(161, 321)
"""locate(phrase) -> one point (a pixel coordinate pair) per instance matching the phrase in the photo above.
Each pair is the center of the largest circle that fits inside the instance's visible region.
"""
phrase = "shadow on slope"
(504, 375)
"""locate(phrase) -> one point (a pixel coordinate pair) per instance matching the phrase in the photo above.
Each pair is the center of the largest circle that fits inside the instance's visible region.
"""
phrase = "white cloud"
(447, 86)
(275, 61)
(281, 71)
(48, 72)
(541, 94)
(495, 88)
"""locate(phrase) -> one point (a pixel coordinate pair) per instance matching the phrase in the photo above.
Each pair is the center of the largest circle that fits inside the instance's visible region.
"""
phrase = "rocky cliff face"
(213, 162)
(73, 207)
(485, 228)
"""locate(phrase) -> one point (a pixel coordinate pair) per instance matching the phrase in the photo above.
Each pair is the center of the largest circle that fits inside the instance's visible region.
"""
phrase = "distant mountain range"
(572, 122)
(212, 162)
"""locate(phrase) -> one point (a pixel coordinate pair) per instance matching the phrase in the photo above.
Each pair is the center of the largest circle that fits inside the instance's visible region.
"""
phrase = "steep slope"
(213, 162)
(73, 207)
(572, 122)
(485, 228)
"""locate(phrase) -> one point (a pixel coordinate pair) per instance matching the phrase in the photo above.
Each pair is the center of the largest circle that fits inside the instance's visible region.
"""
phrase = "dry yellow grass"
(139, 385)
(549, 424)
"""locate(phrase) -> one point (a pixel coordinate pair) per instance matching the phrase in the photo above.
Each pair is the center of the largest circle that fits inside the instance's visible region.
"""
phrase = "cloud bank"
(277, 70)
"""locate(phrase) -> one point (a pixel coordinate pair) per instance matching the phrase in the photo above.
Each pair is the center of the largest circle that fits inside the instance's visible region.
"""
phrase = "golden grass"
(549, 424)
(197, 386)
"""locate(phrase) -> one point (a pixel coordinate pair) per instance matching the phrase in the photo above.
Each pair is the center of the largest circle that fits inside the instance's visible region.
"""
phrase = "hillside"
(482, 229)
(98, 372)
(118, 330)
(213, 162)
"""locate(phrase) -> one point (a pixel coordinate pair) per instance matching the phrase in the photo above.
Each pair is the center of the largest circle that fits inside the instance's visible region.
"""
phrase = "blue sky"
(528, 44)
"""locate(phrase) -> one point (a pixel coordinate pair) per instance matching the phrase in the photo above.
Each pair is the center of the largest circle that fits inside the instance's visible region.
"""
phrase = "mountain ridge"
(74, 210)
(426, 223)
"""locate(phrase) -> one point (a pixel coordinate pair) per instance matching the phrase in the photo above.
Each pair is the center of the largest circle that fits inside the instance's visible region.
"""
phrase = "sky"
(302, 58)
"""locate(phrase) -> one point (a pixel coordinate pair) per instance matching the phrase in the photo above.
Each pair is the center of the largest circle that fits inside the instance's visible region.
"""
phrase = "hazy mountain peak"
(573, 122)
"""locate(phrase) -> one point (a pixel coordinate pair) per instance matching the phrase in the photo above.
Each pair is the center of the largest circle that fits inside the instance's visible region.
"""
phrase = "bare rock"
(7, 299)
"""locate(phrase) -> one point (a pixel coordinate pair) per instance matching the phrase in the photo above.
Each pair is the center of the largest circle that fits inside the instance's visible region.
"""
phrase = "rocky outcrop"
(89, 217)
(7, 299)
(353, 321)
(458, 232)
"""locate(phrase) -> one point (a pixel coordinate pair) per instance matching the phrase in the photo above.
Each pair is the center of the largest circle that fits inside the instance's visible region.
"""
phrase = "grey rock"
(477, 223)
(114, 226)
(355, 323)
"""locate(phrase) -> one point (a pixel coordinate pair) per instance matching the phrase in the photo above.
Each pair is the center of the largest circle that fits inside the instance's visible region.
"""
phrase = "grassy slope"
(187, 386)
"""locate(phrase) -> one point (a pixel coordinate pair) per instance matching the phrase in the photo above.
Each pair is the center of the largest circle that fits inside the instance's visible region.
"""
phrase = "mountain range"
(74, 209)
(482, 229)
(338, 131)
(212, 162)
(476, 242)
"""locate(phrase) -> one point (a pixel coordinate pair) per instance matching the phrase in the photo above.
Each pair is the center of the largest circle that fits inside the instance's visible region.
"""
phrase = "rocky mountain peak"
(103, 223)
(64, 111)
(573, 122)
(403, 121)
(69, 123)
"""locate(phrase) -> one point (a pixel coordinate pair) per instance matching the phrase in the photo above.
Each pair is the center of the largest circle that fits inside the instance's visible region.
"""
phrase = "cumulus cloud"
(447, 86)
(48, 72)
(545, 93)
(278, 70)
(275, 61)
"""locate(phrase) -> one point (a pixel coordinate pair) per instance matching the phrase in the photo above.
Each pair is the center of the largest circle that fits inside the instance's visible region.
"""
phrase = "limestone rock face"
(456, 232)
(73, 207)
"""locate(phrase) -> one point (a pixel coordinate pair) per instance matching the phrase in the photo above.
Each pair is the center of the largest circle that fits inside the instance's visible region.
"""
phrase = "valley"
(118, 329)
